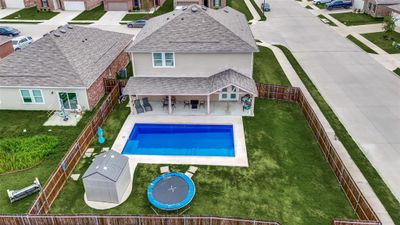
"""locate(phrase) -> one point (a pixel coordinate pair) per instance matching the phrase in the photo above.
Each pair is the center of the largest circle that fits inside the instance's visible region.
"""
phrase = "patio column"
(208, 104)
(169, 105)
(131, 104)
(253, 101)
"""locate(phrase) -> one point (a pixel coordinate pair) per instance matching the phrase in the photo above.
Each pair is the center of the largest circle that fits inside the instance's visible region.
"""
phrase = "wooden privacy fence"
(347, 183)
(354, 222)
(64, 169)
(124, 220)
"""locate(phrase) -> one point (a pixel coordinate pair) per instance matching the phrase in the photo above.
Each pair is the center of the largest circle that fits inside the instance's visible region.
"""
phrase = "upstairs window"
(163, 59)
(45, 3)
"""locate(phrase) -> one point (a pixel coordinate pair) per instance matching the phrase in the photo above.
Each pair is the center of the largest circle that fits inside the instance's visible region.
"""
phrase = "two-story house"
(195, 60)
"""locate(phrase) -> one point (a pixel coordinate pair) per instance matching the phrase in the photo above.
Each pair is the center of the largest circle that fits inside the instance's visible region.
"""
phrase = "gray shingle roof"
(204, 31)
(74, 59)
(387, 2)
(4, 39)
(109, 164)
(189, 85)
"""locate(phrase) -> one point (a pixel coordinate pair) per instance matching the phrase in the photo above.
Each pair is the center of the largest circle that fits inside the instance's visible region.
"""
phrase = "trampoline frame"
(175, 206)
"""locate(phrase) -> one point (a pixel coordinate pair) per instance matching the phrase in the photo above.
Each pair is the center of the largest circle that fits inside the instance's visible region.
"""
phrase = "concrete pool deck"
(240, 158)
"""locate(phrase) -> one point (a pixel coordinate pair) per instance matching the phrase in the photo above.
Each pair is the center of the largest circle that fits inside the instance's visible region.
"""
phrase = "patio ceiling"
(190, 85)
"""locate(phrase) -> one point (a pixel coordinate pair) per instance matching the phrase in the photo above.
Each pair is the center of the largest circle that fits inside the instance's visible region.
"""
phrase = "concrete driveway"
(364, 95)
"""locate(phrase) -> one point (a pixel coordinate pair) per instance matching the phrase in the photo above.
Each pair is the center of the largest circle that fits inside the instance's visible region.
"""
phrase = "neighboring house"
(395, 12)
(208, 3)
(379, 8)
(17, 4)
(6, 46)
(72, 5)
(68, 66)
(192, 55)
(127, 5)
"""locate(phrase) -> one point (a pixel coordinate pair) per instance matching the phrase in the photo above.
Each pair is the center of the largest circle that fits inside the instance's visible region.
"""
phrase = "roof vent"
(62, 31)
(70, 27)
(225, 10)
(46, 34)
(105, 168)
(56, 35)
(112, 156)
(167, 18)
(184, 8)
(204, 8)
(194, 9)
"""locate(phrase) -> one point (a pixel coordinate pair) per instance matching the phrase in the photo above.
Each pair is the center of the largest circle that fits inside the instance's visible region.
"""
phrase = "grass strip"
(360, 44)
(93, 14)
(328, 21)
(384, 194)
(259, 11)
(31, 14)
(354, 19)
(241, 6)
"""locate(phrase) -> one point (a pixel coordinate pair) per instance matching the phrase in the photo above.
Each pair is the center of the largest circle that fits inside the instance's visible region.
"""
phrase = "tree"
(146, 5)
(389, 24)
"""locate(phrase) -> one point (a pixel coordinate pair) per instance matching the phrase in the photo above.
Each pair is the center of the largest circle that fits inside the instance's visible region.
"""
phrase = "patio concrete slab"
(332, 61)
(240, 158)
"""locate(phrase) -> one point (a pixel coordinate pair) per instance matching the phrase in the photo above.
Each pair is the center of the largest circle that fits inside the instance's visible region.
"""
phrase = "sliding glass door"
(68, 99)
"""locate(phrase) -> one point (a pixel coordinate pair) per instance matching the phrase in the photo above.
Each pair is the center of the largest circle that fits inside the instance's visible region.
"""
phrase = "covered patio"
(225, 93)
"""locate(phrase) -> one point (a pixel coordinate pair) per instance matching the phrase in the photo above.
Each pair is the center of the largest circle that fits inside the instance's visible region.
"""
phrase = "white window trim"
(163, 60)
(30, 91)
(229, 92)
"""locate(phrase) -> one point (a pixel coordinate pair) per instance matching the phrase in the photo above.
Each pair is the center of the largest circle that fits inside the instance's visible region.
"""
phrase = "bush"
(22, 153)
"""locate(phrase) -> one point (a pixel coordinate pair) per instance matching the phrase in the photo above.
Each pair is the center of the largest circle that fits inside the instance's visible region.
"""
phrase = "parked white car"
(21, 42)
(317, 2)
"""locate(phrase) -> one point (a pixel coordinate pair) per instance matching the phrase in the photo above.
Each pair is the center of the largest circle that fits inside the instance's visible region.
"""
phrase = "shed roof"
(394, 8)
(196, 29)
(387, 2)
(4, 39)
(71, 56)
(109, 165)
(189, 85)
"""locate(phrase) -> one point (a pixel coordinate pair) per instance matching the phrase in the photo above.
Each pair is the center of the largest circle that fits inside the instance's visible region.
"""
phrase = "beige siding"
(10, 98)
(194, 65)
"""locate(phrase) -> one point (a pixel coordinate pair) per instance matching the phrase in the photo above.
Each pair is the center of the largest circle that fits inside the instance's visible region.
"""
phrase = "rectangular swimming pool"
(180, 140)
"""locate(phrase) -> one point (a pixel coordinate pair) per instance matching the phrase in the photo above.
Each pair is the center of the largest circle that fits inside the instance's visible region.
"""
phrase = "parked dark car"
(136, 24)
(338, 4)
(265, 7)
(9, 31)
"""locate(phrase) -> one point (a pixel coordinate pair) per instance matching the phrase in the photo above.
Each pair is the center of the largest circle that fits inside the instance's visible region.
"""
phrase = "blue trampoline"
(171, 191)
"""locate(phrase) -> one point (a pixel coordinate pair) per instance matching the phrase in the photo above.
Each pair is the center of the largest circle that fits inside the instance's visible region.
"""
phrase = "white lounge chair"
(164, 169)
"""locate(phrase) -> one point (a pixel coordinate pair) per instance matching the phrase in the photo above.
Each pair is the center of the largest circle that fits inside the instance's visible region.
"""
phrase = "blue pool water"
(180, 139)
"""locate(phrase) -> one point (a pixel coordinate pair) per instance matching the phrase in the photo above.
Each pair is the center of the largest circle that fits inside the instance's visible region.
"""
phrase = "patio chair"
(139, 108)
(164, 169)
(186, 103)
(147, 105)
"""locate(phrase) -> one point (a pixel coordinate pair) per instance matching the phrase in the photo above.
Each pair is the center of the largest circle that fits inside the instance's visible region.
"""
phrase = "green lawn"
(329, 21)
(354, 19)
(12, 125)
(267, 69)
(321, 6)
(168, 6)
(308, 7)
(378, 185)
(31, 14)
(288, 178)
(384, 43)
(259, 11)
(93, 14)
(360, 44)
(241, 6)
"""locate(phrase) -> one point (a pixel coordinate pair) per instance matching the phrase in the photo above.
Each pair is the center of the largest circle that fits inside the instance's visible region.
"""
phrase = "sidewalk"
(344, 155)
(6, 12)
(111, 18)
(62, 18)
(253, 11)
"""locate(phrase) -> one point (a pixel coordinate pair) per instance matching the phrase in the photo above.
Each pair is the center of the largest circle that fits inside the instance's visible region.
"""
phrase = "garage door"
(117, 6)
(15, 4)
(71, 5)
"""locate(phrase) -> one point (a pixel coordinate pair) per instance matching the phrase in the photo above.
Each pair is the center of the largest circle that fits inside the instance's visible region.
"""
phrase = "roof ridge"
(67, 60)
(230, 29)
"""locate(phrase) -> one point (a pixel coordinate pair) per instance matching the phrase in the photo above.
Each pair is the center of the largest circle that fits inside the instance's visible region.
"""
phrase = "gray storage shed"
(107, 178)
